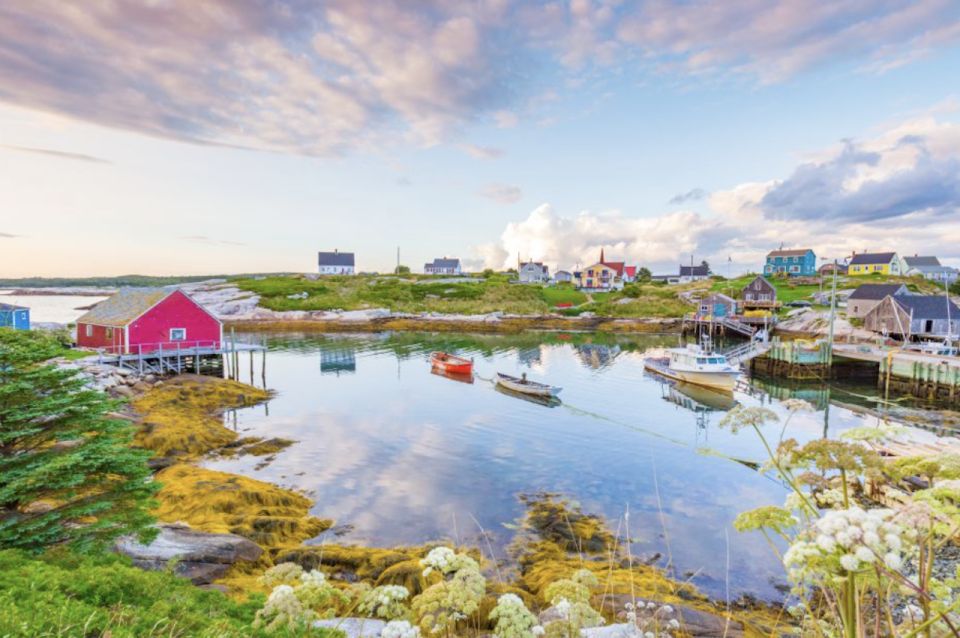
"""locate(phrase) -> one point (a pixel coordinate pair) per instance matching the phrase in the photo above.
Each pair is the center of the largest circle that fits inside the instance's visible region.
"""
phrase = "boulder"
(693, 622)
(354, 627)
(199, 556)
(122, 391)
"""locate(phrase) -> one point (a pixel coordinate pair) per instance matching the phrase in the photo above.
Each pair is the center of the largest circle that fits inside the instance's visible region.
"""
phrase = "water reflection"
(404, 456)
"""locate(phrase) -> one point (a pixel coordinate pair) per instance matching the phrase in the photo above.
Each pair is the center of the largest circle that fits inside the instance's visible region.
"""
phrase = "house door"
(928, 326)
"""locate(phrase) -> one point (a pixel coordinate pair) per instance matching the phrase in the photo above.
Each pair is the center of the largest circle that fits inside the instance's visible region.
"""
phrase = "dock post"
(140, 358)
(263, 369)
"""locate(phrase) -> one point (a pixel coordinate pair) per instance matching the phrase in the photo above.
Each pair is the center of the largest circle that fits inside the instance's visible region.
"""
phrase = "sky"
(227, 136)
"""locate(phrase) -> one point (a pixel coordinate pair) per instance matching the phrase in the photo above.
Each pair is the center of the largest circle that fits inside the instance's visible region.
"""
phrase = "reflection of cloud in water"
(400, 454)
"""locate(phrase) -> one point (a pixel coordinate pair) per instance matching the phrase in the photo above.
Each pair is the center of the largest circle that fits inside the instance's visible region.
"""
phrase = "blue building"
(801, 262)
(16, 317)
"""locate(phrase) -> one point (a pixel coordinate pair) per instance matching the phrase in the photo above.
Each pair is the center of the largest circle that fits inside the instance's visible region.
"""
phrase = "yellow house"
(599, 276)
(870, 263)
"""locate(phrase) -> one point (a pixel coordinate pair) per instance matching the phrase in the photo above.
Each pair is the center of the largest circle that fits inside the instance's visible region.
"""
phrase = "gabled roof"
(762, 279)
(916, 261)
(8, 307)
(336, 258)
(618, 266)
(931, 269)
(719, 296)
(443, 263)
(796, 252)
(694, 271)
(631, 271)
(876, 292)
(124, 306)
(872, 258)
(928, 306)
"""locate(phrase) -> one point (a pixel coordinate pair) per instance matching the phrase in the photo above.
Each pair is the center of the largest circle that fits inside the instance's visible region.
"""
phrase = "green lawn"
(563, 293)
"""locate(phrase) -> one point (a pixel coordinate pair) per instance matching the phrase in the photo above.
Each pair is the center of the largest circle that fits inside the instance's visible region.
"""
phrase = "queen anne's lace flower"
(513, 618)
(400, 629)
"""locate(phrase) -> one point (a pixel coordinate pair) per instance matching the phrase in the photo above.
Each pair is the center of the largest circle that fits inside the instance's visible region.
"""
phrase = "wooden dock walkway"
(180, 356)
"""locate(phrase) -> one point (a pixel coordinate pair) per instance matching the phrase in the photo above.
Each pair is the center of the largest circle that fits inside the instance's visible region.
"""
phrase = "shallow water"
(51, 308)
(397, 454)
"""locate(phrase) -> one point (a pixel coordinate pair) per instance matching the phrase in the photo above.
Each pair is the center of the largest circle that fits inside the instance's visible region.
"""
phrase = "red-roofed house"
(630, 273)
(142, 320)
(603, 275)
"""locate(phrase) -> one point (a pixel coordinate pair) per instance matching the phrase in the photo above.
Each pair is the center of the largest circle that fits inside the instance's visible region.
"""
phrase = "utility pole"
(833, 313)
(398, 260)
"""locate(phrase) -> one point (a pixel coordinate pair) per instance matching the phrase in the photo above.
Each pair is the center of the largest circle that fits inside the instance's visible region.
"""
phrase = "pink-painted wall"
(176, 311)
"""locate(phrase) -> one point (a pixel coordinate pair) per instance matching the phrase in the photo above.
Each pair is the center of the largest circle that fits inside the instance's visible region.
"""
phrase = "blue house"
(16, 317)
(801, 262)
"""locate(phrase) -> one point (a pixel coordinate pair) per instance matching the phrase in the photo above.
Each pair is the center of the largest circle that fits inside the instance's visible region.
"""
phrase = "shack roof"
(928, 306)
(443, 263)
(872, 258)
(336, 258)
(694, 271)
(796, 252)
(876, 292)
(917, 261)
(124, 306)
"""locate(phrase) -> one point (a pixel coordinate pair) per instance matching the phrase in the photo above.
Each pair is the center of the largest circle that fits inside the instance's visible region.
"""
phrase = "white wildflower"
(849, 562)
(893, 561)
(400, 629)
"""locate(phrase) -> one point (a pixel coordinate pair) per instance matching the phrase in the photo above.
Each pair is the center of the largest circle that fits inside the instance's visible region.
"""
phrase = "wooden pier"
(184, 356)
(731, 325)
(797, 360)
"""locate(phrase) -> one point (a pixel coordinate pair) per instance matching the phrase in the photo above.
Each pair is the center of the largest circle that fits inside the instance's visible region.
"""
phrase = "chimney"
(336, 251)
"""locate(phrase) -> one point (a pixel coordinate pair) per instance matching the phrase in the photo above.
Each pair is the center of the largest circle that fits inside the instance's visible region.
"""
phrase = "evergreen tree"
(68, 474)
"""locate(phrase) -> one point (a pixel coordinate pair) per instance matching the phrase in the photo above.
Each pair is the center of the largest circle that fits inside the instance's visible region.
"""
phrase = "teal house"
(801, 262)
(16, 317)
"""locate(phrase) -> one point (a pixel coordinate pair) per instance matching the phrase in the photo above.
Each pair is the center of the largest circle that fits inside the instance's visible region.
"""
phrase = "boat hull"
(449, 363)
(531, 389)
(726, 381)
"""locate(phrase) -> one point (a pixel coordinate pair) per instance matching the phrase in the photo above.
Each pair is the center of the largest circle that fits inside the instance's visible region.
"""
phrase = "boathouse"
(16, 317)
(717, 305)
(914, 316)
(759, 293)
(142, 320)
(866, 297)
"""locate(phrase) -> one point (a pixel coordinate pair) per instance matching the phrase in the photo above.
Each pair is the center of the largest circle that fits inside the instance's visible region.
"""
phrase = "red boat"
(451, 363)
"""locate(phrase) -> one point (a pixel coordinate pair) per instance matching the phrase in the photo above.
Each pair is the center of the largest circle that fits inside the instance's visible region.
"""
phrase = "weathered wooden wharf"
(185, 356)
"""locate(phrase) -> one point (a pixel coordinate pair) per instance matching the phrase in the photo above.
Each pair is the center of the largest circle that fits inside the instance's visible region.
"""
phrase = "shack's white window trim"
(178, 334)
(89, 330)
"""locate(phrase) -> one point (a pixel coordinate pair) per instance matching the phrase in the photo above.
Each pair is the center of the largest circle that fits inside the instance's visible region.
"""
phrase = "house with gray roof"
(443, 266)
(336, 263)
(930, 269)
(533, 272)
(866, 297)
(906, 316)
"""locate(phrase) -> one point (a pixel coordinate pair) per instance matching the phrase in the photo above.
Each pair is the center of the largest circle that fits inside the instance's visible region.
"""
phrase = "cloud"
(329, 78)
(54, 153)
(774, 40)
(690, 196)
(8, 236)
(502, 193)
(482, 152)
(896, 191)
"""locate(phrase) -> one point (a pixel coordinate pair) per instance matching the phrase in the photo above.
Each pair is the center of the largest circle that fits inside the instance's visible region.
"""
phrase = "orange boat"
(451, 363)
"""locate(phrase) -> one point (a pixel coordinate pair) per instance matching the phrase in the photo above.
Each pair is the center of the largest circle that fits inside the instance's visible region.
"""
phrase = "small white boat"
(697, 365)
(525, 386)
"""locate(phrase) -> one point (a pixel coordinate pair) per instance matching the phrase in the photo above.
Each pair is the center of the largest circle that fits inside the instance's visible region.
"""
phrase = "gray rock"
(200, 556)
(150, 378)
(693, 622)
(123, 391)
(354, 627)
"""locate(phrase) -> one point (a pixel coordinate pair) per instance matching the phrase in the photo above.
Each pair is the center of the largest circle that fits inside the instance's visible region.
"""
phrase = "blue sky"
(170, 137)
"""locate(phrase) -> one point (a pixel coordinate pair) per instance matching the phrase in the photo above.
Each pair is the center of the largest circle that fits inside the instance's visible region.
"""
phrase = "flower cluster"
(283, 609)
(650, 620)
(513, 618)
(844, 542)
(387, 602)
(444, 560)
(400, 629)
(316, 593)
(282, 574)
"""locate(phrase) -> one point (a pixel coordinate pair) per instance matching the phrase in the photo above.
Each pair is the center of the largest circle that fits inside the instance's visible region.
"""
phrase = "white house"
(336, 263)
(929, 268)
(563, 277)
(444, 266)
(534, 272)
(694, 273)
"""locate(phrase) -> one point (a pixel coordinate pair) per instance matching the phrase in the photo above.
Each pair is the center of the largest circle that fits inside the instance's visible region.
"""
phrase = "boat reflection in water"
(696, 398)
(545, 401)
(453, 376)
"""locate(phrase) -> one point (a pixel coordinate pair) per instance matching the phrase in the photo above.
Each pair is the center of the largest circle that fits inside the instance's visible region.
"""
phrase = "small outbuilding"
(866, 297)
(336, 263)
(443, 266)
(140, 320)
(915, 316)
(717, 305)
(563, 277)
(16, 317)
(759, 293)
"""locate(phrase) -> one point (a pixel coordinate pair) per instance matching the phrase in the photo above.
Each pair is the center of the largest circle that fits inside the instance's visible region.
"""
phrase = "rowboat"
(453, 376)
(546, 401)
(451, 363)
(525, 386)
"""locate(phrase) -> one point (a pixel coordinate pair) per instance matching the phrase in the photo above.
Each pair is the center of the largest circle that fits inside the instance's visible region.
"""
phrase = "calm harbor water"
(51, 308)
(397, 454)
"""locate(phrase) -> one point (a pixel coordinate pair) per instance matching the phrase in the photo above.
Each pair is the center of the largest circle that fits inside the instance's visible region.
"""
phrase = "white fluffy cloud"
(897, 191)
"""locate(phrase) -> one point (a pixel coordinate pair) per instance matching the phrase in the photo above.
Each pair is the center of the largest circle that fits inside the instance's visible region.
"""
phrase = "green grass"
(563, 293)
(61, 594)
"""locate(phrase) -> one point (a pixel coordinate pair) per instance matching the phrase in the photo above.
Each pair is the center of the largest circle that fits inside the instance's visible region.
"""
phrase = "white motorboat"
(697, 365)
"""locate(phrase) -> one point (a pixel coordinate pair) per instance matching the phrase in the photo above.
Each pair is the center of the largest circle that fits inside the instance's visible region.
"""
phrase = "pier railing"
(162, 348)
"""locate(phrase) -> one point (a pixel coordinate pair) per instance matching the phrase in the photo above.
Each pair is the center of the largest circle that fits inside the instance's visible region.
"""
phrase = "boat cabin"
(694, 358)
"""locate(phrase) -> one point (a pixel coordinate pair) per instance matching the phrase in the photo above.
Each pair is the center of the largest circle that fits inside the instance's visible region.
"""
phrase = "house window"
(108, 333)
(178, 334)
(89, 330)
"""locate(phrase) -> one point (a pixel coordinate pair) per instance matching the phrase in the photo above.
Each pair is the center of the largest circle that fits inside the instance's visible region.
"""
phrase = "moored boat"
(451, 363)
(697, 365)
(525, 386)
